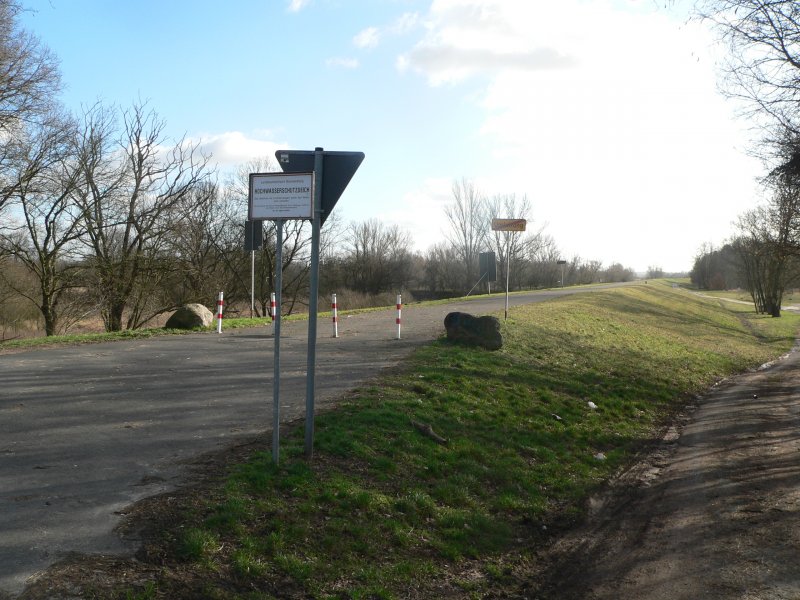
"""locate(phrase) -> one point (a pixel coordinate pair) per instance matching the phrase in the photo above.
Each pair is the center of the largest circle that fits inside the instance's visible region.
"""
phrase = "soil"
(711, 512)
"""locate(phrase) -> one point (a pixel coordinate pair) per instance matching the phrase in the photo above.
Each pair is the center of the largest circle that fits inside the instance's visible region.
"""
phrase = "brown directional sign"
(338, 169)
(508, 224)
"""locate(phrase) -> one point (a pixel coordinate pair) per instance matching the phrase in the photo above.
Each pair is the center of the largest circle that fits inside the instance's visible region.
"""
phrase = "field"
(446, 477)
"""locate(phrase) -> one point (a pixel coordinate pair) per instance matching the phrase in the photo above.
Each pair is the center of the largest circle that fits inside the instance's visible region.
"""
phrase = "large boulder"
(474, 331)
(190, 316)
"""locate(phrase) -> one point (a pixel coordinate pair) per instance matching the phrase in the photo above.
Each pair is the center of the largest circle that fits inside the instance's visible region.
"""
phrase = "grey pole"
(276, 377)
(252, 281)
(508, 265)
(312, 303)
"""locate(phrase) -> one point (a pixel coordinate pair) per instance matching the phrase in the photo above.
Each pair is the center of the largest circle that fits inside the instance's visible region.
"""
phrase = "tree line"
(102, 214)
(762, 71)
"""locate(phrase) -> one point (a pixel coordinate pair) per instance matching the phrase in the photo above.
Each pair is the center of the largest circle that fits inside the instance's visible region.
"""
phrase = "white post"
(219, 314)
(399, 313)
(334, 308)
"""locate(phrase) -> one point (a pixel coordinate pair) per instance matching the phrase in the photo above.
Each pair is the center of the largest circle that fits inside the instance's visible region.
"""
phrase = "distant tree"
(618, 273)
(206, 250)
(716, 268)
(543, 269)
(583, 272)
(134, 193)
(379, 257)
(511, 248)
(468, 226)
(443, 271)
(655, 272)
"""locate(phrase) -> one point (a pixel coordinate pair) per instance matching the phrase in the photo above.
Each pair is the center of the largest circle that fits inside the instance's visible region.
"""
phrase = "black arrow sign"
(338, 169)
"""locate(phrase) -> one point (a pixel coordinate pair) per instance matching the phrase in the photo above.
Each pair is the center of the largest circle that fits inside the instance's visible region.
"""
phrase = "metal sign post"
(562, 263)
(312, 304)
(275, 197)
(510, 226)
(332, 172)
(276, 315)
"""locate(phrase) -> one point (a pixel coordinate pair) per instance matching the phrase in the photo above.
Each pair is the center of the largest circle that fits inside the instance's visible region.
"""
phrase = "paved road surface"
(87, 430)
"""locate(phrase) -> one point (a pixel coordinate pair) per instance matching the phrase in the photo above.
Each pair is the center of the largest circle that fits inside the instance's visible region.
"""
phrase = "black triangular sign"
(338, 169)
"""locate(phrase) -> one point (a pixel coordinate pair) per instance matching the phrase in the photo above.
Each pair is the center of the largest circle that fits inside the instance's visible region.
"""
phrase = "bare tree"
(133, 183)
(295, 264)
(763, 65)
(769, 241)
(466, 217)
(44, 238)
(29, 76)
(443, 270)
(29, 82)
(512, 248)
(379, 257)
(543, 269)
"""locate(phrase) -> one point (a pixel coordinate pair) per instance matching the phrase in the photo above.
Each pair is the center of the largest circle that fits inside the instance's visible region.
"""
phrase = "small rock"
(556, 417)
(600, 456)
(591, 405)
(755, 395)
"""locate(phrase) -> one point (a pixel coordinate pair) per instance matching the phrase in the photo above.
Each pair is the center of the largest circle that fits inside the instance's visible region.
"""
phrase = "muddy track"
(713, 512)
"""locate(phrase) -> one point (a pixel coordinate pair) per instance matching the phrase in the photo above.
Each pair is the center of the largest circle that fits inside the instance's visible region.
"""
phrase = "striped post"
(219, 313)
(399, 314)
(272, 305)
(335, 310)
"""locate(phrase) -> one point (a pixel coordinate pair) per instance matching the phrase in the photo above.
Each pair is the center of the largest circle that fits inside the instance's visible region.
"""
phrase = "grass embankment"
(385, 511)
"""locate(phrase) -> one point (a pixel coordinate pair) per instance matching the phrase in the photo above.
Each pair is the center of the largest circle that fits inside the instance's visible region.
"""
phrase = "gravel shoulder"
(712, 513)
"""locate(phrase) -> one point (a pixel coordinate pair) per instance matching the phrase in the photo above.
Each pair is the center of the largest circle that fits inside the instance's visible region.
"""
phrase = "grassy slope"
(385, 511)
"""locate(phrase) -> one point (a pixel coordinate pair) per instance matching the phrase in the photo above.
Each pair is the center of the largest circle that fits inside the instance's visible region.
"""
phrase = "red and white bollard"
(219, 313)
(272, 305)
(335, 310)
(399, 314)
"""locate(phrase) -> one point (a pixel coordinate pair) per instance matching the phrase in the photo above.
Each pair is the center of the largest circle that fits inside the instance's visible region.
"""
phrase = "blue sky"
(604, 113)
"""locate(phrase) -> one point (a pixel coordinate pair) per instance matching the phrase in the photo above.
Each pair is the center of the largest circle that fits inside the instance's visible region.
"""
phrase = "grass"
(384, 511)
(89, 338)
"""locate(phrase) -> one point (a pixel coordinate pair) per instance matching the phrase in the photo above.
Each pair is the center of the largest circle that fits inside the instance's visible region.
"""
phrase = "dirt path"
(714, 513)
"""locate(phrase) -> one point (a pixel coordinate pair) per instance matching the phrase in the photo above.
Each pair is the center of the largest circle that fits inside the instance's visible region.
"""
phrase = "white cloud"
(342, 62)
(297, 5)
(419, 211)
(405, 23)
(234, 148)
(605, 114)
(367, 38)
(452, 64)
(464, 38)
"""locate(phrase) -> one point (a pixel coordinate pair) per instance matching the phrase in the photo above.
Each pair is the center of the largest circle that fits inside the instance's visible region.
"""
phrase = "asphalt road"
(87, 430)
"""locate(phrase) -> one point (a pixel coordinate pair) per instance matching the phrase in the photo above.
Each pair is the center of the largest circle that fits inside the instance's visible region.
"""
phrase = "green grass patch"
(384, 509)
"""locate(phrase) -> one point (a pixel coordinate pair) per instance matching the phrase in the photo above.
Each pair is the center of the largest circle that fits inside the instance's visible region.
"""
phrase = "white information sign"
(281, 196)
